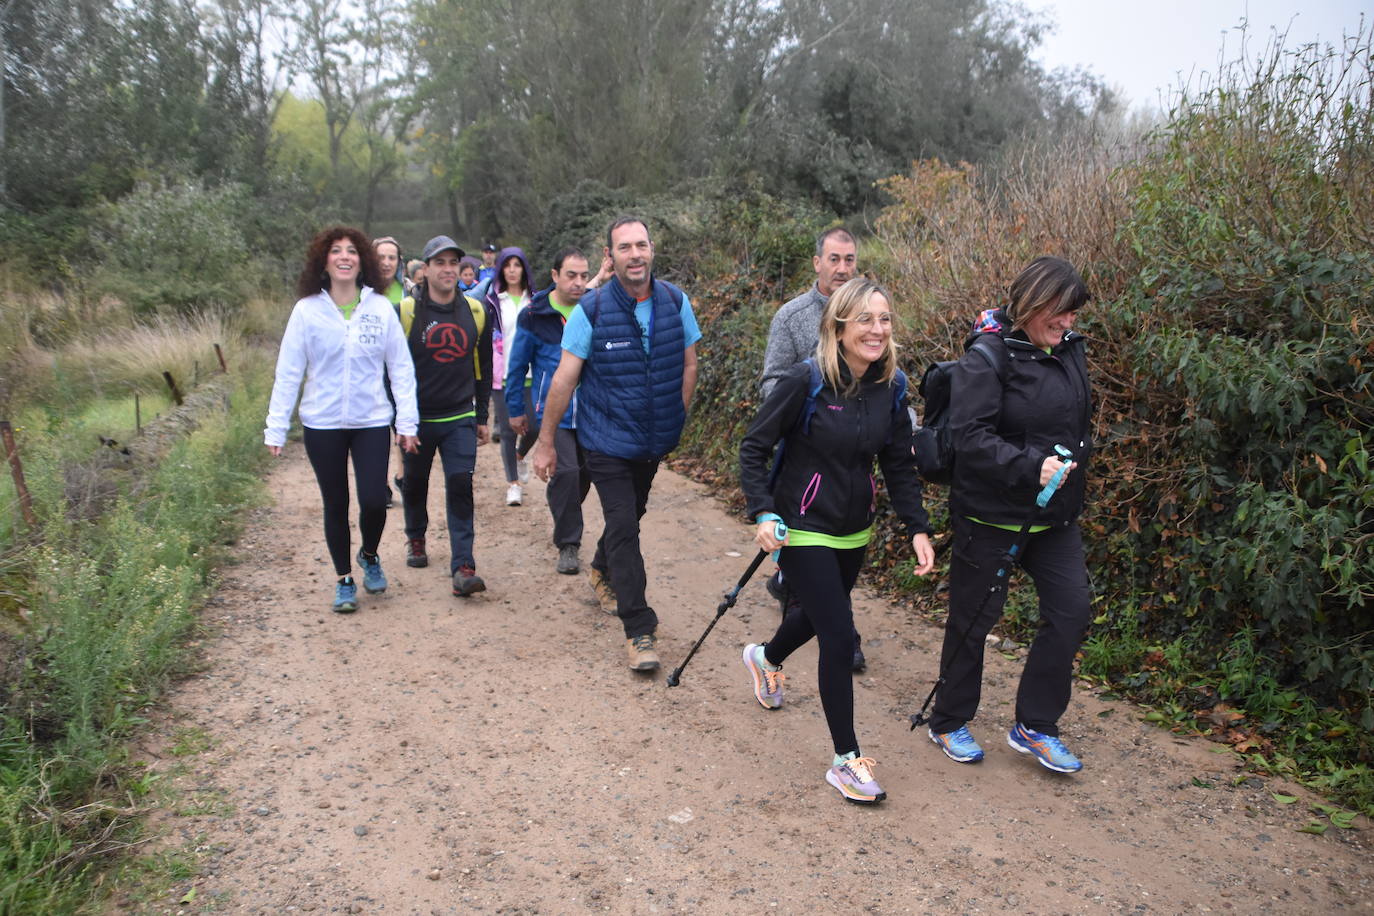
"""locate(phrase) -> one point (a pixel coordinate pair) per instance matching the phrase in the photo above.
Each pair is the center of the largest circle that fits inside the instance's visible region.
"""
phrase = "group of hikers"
(592, 378)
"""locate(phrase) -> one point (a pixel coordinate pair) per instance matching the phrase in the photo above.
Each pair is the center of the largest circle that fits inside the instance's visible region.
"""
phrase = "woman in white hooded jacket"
(344, 341)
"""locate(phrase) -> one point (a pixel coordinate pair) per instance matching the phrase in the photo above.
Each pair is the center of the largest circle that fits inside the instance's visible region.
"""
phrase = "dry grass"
(957, 234)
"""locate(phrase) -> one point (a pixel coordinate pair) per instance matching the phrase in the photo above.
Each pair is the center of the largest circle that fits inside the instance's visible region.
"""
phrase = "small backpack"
(930, 441)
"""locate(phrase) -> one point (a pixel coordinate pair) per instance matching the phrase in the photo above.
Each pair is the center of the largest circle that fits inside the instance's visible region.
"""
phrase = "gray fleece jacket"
(792, 336)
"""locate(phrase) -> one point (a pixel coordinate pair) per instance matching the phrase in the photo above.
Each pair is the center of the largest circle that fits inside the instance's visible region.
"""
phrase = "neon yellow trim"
(348, 309)
(1034, 529)
(796, 537)
(461, 416)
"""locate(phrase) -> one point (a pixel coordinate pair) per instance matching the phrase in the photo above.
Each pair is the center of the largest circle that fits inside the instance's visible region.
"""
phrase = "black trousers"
(822, 578)
(623, 487)
(1054, 561)
(567, 489)
(329, 451)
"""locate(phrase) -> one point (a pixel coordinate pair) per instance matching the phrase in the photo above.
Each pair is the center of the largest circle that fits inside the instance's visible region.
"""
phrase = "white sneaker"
(513, 495)
(522, 469)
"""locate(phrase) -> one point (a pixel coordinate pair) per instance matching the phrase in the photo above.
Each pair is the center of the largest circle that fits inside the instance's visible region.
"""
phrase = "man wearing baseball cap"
(450, 344)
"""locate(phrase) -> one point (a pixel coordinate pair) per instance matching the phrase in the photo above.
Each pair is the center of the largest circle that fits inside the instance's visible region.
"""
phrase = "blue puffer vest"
(630, 402)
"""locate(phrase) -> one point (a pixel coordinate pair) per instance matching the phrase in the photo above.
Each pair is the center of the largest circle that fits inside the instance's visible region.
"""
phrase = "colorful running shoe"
(1047, 749)
(345, 596)
(767, 679)
(374, 580)
(958, 745)
(853, 776)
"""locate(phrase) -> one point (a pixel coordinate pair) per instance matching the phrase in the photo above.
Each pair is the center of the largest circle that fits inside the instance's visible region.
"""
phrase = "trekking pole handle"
(779, 528)
(1043, 499)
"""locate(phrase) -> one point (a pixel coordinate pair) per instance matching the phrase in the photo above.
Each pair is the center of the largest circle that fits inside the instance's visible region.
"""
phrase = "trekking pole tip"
(917, 720)
(673, 678)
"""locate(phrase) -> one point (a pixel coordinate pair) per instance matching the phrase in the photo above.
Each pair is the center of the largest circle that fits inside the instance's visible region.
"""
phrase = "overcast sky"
(1143, 48)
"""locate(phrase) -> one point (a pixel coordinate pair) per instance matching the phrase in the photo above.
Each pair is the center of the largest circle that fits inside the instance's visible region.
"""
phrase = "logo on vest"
(446, 342)
(617, 344)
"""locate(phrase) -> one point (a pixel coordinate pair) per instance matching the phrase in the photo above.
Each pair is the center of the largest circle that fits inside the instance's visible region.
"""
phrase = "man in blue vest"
(631, 345)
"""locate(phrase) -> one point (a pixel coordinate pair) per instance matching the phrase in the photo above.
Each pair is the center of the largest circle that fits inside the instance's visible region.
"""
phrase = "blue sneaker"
(1047, 749)
(958, 745)
(346, 597)
(374, 580)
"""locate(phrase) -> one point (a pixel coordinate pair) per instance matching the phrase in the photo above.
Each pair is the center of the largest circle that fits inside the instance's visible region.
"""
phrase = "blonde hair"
(846, 303)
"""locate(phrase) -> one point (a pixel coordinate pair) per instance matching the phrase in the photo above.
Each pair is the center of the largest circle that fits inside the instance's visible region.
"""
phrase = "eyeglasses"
(867, 318)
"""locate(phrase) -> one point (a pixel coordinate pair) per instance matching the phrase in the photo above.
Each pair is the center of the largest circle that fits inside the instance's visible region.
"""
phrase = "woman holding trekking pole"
(833, 415)
(341, 337)
(1007, 416)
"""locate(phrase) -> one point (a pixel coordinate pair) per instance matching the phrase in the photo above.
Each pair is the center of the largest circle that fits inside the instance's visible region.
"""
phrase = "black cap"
(489, 247)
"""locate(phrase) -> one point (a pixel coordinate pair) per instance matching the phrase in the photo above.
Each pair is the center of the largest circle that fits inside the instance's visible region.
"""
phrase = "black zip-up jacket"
(826, 482)
(1003, 433)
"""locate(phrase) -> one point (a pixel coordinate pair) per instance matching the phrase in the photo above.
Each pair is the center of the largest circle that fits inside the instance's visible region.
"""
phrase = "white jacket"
(341, 362)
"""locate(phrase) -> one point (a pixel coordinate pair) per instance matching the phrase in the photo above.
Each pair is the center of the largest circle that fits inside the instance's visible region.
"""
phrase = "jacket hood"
(498, 283)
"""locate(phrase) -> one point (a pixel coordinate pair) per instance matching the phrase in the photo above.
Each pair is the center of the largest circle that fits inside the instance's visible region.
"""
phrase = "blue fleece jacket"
(538, 347)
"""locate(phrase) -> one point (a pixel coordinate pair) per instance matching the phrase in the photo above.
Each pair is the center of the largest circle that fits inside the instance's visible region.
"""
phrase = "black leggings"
(823, 577)
(328, 451)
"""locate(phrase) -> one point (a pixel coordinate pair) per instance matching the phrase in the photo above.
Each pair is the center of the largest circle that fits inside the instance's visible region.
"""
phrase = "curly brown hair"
(313, 278)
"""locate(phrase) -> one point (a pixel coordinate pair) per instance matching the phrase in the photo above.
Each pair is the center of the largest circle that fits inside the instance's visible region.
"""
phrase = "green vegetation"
(99, 599)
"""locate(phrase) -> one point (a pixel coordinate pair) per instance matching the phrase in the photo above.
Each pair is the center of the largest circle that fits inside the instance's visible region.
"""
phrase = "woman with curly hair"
(341, 337)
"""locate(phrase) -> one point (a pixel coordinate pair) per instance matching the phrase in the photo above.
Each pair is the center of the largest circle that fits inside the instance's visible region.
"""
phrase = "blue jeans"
(456, 443)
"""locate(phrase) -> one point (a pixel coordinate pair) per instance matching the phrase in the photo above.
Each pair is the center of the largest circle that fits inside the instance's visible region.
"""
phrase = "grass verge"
(107, 604)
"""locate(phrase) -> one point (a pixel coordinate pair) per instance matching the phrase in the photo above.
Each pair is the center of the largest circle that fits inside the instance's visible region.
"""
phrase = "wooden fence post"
(172, 384)
(17, 472)
(219, 354)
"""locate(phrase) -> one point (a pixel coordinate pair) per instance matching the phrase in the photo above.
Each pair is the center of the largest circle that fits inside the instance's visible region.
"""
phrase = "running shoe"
(1047, 749)
(345, 596)
(415, 553)
(513, 495)
(777, 590)
(958, 745)
(374, 580)
(853, 776)
(466, 582)
(767, 679)
(858, 663)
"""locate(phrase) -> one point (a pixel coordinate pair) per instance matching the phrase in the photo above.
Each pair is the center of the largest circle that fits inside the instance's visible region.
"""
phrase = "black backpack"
(930, 442)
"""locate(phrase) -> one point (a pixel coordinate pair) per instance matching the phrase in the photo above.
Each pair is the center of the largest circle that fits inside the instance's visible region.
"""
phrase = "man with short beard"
(631, 343)
(450, 342)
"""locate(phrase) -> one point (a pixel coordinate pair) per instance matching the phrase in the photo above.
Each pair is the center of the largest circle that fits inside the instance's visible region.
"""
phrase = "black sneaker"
(568, 563)
(777, 590)
(858, 663)
(466, 582)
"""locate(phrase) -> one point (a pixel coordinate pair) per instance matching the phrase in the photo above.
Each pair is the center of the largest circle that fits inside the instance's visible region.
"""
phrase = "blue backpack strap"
(812, 389)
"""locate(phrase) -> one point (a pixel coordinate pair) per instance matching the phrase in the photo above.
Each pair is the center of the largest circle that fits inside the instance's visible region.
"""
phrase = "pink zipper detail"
(809, 496)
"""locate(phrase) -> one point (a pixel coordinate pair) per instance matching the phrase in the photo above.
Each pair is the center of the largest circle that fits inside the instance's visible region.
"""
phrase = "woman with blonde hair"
(834, 414)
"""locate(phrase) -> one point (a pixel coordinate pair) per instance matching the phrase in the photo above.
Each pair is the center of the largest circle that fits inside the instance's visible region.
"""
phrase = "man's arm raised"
(561, 388)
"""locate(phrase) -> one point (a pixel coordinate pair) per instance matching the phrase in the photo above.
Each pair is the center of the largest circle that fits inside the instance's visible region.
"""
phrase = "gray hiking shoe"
(568, 563)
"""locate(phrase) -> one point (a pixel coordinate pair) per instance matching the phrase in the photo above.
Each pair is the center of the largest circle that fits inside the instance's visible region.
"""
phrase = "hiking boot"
(1047, 749)
(853, 776)
(374, 580)
(466, 582)
(568, 563)
(958, 745)
(601, 585)
(767, 678)
(345, 596)
(415, 553)
(522, 470)
(513, 495)
(641, 652)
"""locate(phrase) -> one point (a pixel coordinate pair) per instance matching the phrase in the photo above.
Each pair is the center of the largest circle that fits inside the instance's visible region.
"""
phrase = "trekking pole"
(780, 532)
(999, 581)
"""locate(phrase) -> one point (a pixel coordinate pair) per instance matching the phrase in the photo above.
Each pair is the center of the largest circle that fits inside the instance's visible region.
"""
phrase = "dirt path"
(437, 755)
